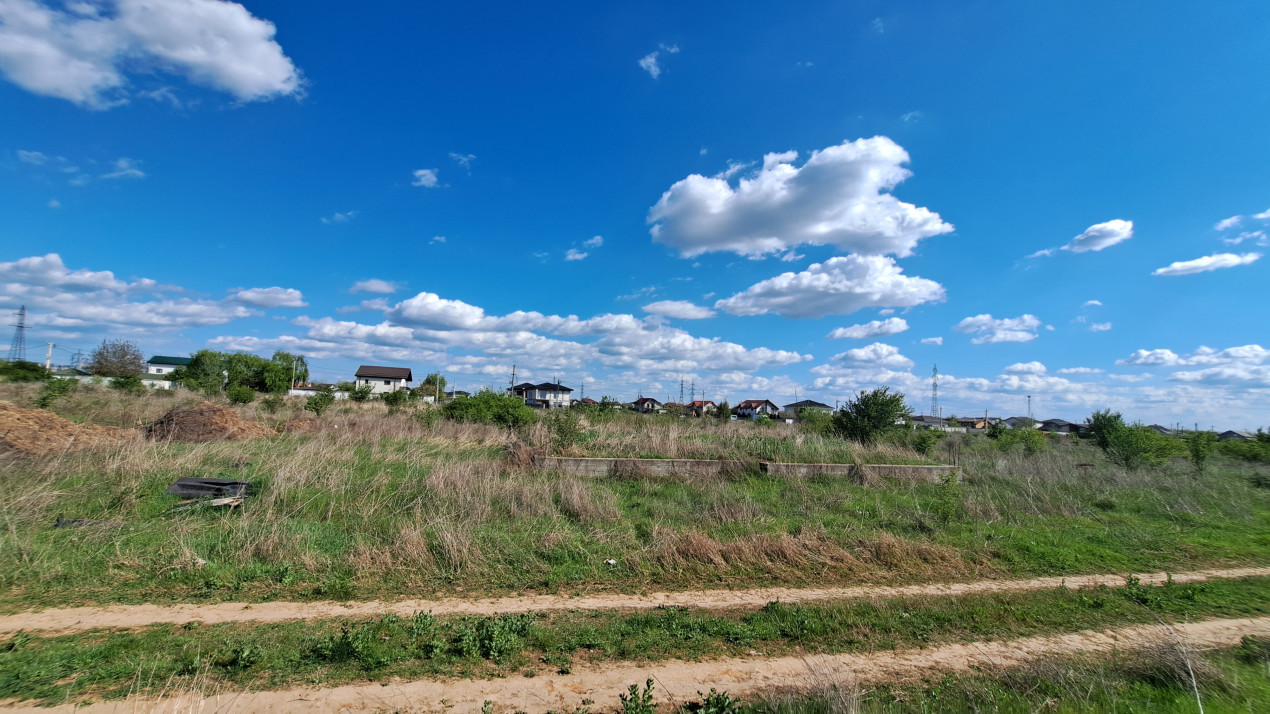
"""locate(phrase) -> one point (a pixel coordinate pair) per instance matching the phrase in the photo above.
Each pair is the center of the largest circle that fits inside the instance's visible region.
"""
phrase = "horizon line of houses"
(554, 395)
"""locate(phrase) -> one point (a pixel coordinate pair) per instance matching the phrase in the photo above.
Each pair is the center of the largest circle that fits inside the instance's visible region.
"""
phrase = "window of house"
(387, 381)
(159, 371)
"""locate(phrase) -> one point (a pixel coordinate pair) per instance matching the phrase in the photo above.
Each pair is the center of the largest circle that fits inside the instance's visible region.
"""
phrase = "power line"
(17, 349)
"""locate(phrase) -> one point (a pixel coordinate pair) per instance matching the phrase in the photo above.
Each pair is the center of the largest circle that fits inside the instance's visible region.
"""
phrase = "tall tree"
(116, 358)
(870, 415)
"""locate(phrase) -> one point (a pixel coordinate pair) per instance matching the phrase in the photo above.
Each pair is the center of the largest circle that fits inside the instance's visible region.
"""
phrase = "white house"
(646, 405)
(162, 364)
(543, 396)
(753, 408)
(384, 379)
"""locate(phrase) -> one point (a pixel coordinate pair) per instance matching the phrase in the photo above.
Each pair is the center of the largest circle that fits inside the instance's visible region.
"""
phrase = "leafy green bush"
(53, 390)
(397, 399)
(1134, 447)
(1256, 450)
(23, 371)
(320, 402)
(1201, 445)
(870, 415)
(814, 421)
(240, 395)
(362, 392)
(1032, 441)
(129, 383)
(489, 407)
(273, 403)
(923, 441)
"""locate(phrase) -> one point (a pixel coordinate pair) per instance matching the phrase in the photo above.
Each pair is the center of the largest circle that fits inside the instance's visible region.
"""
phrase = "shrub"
(1031, 440)
(489, 407)
(23, 371)
(360, 393)
(54, 389)
(239, 394)
(1103, 425)
(1200, 444)
(129, 383)
(1134, 447)
(923, 441)
(870, 415)
(320, 402)
(397, 399)
(814, 421)
(273, 403)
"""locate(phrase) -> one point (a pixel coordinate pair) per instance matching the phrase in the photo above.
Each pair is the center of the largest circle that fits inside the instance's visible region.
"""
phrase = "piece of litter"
(610, 561)
(190, 487)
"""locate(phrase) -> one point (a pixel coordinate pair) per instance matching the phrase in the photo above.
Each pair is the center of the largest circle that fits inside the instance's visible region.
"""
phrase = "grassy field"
(376, 504)
(108, 663)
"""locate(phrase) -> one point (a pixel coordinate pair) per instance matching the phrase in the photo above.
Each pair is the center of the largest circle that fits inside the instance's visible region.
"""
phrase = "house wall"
(383, 386)
(160, 368)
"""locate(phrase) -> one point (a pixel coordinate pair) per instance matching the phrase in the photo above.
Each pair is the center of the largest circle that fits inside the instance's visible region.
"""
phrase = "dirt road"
(675, 681)
(78, 619)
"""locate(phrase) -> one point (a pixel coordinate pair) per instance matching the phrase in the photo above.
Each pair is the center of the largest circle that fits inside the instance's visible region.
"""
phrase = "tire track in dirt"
(677, 681)
(79, 619)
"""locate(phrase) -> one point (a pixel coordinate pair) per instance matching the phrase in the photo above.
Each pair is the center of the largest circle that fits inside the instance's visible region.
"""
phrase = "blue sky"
(805, 198)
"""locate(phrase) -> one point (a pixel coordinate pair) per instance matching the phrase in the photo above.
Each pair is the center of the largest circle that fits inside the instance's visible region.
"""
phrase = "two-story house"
(544, 396)
(384, 379)
(754, 408)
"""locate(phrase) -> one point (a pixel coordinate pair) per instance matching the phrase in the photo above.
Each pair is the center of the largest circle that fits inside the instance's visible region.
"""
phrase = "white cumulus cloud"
(270, 297)
(839, 197)
(932, 340)
(1207, 263)
(375, 285)
(124, 168)
(680, 309)
(990, 329)
(1101, 235)
(80, 54)
(1100, 327)
(1033, 367)
(575, 254)
(877, 354)
(838, 286)
(426, 178)
(874, 328)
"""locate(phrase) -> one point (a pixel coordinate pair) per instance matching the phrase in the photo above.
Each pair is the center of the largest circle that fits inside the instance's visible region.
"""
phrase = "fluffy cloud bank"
(681, 309)
(79, 53)
(839, 197)
(838, 286)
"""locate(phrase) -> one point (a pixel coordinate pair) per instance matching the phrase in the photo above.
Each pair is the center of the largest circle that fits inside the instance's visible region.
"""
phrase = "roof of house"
(923, 419)
(645, 400)
(702, 403)
(164, 359)
(375, 372)
(1239, 433)
(807, 403)
(1058, 422)
(755, 404)
(588, 400)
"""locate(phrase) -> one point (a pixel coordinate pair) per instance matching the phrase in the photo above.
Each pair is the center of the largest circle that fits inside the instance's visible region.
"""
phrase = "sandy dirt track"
(70, 620)
(678, 681)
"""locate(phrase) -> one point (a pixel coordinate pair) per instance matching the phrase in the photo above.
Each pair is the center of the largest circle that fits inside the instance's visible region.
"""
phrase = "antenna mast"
(934, 391)
(17, 350)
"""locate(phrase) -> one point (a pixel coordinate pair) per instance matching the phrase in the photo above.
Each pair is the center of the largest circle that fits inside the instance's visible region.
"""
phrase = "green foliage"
(1032, 441)
(870, 415)
(489, 407)
(1201, 444)
(715, 702)
(273, 403)
(1255, 450)
(724, 412)
(428, 416)
(116, 358)
(566, 430)
(433, 386)
(130, 383)
(397, 399)
(210, 371)
(361, 392)
(1103, 425)
(814, 421)
(53, 390)
(639, 702)
(238, 394)
(285, 372)
(923, 441)
(763, 420)
(23, 371)
(320, 402)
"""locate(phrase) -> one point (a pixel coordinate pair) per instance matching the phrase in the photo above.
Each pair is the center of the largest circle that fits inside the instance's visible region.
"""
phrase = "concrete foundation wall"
(637, 468)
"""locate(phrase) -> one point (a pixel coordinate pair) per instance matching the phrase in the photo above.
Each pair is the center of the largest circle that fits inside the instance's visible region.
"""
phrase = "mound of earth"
(205, 422)
(37, 432)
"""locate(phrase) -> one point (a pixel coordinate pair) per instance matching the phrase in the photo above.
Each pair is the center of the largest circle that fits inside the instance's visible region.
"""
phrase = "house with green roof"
(164, 365)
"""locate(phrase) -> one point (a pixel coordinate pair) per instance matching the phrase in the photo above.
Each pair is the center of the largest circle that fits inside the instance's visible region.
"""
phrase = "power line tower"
(681, 390)
(934, 391)
(17, 350)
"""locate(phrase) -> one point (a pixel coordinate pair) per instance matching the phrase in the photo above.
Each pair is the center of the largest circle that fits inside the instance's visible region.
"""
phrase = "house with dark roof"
(163, 364)
(754, 408)
(384, 379)
(1060, 426)
(646, 405)
(797, 408)
(543, 396)
(1236, 435)
(922, 421)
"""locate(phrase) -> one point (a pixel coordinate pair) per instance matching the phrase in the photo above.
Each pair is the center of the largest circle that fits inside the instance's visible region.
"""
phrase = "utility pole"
(1029, 410)
(48, 358)
(692, 396)
(934, 390)
(681, 390)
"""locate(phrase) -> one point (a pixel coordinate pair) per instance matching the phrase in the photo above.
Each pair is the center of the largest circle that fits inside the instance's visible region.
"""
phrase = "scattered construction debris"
(193, 487)
(205, 422)
(38, 432)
